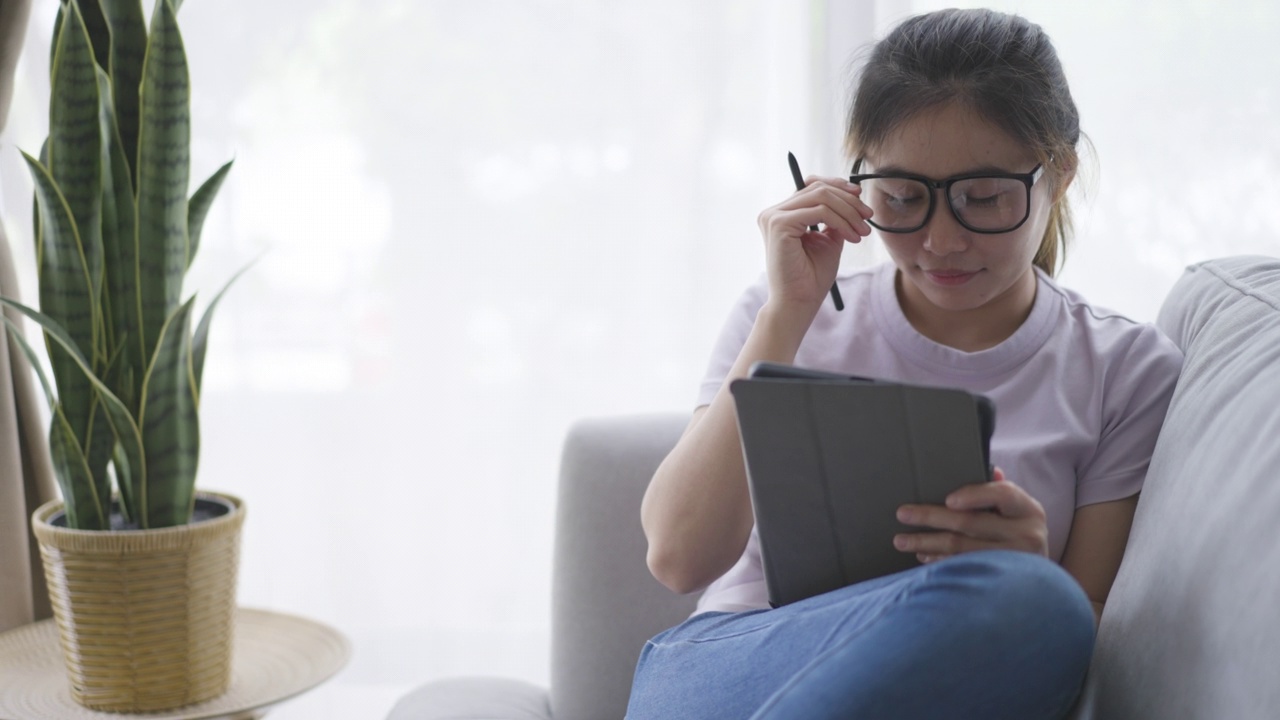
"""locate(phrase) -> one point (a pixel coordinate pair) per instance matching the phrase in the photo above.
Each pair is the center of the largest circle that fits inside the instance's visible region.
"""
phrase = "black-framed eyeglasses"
(982, 202)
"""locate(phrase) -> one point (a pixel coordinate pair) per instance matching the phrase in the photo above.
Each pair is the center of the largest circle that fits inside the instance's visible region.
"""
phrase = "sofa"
(1192, 625)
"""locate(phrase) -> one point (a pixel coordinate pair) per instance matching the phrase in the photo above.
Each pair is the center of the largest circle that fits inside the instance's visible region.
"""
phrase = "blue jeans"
(996, 634)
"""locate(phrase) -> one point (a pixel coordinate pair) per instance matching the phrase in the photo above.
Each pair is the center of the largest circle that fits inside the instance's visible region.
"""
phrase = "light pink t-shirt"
(1080, 395)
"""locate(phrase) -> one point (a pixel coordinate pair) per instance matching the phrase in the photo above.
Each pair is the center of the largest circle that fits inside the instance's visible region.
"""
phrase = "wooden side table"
(275, 657)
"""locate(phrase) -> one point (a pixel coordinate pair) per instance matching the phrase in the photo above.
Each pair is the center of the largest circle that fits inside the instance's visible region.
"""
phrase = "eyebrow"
(979, 170)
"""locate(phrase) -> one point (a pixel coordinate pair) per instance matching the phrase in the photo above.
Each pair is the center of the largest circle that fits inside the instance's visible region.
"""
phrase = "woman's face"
(945, 267)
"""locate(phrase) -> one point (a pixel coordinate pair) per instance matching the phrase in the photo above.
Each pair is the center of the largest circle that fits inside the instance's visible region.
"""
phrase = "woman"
(964, 137)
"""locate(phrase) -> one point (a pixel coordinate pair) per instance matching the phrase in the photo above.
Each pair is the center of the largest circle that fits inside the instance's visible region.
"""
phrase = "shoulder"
(1106, 333)
(1126, 359)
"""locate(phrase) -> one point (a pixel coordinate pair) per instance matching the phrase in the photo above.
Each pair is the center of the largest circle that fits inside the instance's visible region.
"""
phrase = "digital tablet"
(830, 458)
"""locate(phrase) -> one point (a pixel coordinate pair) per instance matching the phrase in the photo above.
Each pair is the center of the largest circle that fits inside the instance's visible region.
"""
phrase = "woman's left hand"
(996, 515)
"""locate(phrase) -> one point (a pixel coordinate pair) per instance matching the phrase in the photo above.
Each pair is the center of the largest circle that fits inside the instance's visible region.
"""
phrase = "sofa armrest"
(605, 604)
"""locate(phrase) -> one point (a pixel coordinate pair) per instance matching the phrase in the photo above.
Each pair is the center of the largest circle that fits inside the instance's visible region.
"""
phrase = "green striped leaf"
(164, 138)
(65, 292)
(122, 423)
(100, 438)
(75, 152)
(200, 342)
(82, 491)
(128, 48)
(99, 34)
(119, 247)
(57, 29)
(119, 379)
(198, 209)
(124, 479)
(170, 426)
(16, 333)
(35, 201)
(84, 506)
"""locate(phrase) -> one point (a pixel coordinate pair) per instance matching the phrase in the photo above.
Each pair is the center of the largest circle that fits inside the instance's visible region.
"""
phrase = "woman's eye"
(903, 199)
(987, 201)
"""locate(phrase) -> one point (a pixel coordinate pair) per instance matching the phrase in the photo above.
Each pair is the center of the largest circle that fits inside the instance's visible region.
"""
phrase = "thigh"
(726, 665)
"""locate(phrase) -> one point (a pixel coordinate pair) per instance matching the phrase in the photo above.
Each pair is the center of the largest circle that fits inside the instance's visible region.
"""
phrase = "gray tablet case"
(830, 460)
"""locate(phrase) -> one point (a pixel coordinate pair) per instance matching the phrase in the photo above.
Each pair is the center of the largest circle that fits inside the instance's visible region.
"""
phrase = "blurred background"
(480, 221)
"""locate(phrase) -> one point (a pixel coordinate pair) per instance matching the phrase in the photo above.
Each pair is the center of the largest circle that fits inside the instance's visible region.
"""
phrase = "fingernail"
(900, 542)
(905, 515)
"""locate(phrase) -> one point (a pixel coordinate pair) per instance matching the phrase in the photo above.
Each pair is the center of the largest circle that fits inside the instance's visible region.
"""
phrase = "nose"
(943, 234)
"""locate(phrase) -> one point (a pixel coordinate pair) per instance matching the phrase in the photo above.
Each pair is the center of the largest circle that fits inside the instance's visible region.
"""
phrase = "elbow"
(672, 570)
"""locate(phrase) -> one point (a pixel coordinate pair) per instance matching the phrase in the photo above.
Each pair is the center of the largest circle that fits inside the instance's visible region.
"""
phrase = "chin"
(950, 292)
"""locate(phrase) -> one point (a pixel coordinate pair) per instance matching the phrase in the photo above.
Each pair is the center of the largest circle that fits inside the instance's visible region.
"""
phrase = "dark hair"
(1002, 67)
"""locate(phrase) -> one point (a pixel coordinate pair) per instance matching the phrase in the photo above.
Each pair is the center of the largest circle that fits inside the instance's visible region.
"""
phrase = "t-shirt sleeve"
(733, 335)
(1135, 402)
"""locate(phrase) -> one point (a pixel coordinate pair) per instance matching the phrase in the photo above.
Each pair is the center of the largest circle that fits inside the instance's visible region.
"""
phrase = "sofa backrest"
(1192, 626)
(605, 604)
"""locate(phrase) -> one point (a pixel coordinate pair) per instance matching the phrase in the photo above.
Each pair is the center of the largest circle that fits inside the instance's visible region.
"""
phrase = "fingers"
(830, 203)
(847, 195)
(804, 217)
(979, 525)
(937, 545)
(967, 522)
(1004, 497)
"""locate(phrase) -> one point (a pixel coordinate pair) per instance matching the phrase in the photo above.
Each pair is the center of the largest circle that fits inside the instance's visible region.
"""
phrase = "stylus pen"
(795, 175)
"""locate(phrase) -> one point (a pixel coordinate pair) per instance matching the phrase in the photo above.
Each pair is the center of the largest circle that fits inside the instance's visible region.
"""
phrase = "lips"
(950, 277)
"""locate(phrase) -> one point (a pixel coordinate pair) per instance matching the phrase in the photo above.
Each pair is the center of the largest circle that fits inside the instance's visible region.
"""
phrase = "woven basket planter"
(145, 616)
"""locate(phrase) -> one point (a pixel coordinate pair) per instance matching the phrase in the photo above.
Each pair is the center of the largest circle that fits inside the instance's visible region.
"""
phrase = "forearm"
(697, 510)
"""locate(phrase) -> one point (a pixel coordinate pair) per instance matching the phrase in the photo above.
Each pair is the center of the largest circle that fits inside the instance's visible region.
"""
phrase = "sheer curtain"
(480, 221)
(477, 222)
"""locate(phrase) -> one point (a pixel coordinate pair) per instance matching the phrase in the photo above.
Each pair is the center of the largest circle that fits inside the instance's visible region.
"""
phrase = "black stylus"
(795, 175)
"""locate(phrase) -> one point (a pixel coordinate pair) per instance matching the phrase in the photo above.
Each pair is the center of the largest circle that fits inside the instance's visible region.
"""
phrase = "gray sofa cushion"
(605, 604)
(1192, 625)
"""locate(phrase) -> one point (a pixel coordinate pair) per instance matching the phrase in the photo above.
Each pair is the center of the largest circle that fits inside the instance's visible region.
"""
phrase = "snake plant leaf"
(65, 292)
(16, 333)
(122, 422)
(170, 426)
(119, 377)
(110, 220)
(75, 152)
(128, 48)
(81, 490)
(57, 28)
(124, 479)
(100, 439)
(35, 201)
(164, 141)
(99, 33)
(119, 245)
(200, 343)
(199, 207)
(84, 506)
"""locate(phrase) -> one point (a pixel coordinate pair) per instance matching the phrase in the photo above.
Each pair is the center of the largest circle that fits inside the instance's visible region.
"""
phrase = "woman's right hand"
(801, 263)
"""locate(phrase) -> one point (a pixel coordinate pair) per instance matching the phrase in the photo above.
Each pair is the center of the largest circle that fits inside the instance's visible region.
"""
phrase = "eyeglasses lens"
(984, 204)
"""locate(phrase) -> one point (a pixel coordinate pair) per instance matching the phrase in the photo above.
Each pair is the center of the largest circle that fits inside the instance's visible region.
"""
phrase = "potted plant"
(142, 579)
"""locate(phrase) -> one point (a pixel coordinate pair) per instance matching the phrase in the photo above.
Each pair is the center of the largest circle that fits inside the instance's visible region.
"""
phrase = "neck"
(970, 330)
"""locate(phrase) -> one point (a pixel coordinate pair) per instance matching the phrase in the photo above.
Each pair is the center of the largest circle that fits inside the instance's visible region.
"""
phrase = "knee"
(1024, 594)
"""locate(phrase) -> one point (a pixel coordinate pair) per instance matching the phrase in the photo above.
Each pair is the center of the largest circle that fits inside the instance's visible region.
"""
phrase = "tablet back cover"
(829, 463)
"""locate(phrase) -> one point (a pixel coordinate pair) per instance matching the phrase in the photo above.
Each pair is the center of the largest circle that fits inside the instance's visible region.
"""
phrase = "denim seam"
(906, 592)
